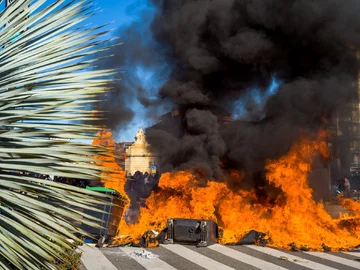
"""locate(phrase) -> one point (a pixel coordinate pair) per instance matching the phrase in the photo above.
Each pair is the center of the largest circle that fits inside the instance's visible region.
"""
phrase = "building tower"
(138, 156)
(346, 134)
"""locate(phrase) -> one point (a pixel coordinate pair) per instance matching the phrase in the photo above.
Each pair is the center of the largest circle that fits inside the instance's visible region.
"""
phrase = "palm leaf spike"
(45, 84)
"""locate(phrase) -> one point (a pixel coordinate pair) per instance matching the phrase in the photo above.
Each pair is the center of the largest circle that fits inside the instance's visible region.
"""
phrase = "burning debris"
(152, 238)
(250, 175)
(252, 238)
(293, 218)
(190, 231)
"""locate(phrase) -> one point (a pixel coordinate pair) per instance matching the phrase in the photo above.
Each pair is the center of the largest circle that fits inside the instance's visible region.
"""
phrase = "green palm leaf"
(46, 86)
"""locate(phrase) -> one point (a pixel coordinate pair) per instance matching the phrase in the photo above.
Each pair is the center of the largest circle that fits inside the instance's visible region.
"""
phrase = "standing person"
(347, 188)
(146, 178)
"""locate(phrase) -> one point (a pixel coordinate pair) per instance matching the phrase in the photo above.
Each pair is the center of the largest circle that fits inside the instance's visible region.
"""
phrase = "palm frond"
(45, 85)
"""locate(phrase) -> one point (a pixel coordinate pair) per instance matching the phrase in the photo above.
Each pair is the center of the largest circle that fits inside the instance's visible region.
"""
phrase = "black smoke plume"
(219, 49)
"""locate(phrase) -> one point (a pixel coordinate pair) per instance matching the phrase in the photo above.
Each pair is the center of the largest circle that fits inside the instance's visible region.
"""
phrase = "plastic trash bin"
(110, 218)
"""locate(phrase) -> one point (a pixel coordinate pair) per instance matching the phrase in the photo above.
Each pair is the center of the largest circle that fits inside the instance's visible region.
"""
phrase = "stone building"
(345, 133)
(138, 157)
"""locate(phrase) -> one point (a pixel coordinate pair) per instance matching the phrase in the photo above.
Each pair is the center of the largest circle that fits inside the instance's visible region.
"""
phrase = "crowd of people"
(60, 179)
(70, 181)
(139, 187)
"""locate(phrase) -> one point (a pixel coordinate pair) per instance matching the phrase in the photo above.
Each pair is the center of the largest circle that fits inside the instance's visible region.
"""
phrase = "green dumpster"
(111, 216)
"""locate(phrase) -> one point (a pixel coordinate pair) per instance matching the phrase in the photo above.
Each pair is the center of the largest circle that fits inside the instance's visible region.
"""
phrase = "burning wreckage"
(185, 208)
(292, 77)
(278, 210)
(201, 233)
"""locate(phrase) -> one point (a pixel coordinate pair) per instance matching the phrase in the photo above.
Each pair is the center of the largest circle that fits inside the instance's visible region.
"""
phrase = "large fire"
(293, 218)
(114, 177)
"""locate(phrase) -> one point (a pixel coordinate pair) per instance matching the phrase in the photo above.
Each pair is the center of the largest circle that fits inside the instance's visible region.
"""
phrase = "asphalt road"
(215, 257)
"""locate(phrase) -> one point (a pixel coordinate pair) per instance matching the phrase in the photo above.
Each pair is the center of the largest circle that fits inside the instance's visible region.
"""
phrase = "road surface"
(215, 257)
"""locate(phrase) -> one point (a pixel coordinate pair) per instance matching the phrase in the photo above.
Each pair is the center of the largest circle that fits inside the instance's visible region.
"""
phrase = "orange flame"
(115, 177)
(295, 217)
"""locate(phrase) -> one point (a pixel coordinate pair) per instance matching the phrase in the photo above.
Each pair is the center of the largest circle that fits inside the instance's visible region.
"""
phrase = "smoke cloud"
(220, 50)
(282, 69)
(133, 99)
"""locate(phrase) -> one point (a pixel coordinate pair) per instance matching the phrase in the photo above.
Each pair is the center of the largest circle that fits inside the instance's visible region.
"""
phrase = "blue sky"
(256, 96)
(121, 13)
